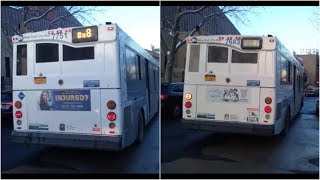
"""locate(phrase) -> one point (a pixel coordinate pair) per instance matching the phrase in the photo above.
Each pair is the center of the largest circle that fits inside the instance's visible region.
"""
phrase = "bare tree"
(316, 18)
(82, 13)
(238, 12)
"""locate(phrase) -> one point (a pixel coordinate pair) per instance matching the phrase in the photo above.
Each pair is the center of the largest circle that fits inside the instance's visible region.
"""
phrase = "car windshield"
(178, 88)
(6, 97)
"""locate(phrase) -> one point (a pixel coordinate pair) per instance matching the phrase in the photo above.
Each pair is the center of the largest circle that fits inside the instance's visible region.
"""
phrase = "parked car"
(171, 100)
(6, 104)
(311, 91)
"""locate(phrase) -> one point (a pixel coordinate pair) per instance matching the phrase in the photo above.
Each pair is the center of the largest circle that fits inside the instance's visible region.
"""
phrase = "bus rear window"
(194, 58)
(47, 52)
(77, 53)
(217, 54)
(239, 57)
(22, 60)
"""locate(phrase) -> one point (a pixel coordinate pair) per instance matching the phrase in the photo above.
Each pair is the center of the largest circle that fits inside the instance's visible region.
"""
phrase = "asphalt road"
(136, 159)
(188, 151)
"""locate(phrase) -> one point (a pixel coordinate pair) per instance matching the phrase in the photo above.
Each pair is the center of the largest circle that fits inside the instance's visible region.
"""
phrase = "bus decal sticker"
(253, 109)
(64, 100)
(252, 117)
(234, 117)
(253, 82)
(96, 128)
(210, 77)
(21, 95)
(233, 95)
(37, 126)
(206, 115)
(91, 83)
(226, 116)
(62, 127)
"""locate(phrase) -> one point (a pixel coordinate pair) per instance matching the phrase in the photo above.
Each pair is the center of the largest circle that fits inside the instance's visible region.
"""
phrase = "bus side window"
(131, 65)
(138, 67)
(194, 58)
(22, 60)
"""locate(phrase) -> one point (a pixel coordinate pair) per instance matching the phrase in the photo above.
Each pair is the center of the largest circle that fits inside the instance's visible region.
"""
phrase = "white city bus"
(87, 87)
(242, 84)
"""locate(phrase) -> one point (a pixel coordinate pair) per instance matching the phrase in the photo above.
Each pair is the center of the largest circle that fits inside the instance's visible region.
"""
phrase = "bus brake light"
(188, 104)
(18, 114)
(267, 109)
(111, 116)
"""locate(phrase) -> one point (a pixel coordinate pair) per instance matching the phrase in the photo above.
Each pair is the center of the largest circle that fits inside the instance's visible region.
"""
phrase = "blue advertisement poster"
(65, 100)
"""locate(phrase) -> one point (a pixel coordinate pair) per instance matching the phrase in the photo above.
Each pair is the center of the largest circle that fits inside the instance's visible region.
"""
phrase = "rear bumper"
(247, 128)
(69, 140)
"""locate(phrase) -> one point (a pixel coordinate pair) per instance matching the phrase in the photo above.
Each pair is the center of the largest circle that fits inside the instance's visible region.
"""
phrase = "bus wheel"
(140, 134)
(287, 123)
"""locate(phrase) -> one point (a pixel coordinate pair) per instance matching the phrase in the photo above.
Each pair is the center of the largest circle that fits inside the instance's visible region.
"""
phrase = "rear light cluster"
(18, 114)
(111, 116)
(267, 108)
(188, 104)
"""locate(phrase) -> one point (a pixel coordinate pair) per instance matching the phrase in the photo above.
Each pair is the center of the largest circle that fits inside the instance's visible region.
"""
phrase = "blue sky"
(291, 25)
(140, 23)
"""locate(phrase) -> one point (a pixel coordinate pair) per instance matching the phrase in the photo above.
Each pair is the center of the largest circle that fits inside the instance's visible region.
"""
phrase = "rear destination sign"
(64, 100)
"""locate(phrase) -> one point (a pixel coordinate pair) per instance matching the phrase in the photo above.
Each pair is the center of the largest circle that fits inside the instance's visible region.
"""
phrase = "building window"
(47, 52)
(21, 60)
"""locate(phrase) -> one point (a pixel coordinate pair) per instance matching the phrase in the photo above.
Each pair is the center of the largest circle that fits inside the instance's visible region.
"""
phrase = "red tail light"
(111, 116)
(18, 114)
(163, 97)
(188, 104)
(267, 109)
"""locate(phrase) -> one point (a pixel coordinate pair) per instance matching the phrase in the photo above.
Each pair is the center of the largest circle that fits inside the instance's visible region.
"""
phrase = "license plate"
(40, 80)
(252, 119)
(209, 77)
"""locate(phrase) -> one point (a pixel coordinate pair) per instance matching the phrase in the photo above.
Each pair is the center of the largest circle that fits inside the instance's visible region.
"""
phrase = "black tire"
(287, 123)
(177, 112)
(140, 134)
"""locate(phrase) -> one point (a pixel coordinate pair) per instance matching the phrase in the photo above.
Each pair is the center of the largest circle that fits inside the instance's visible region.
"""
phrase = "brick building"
(311, 67)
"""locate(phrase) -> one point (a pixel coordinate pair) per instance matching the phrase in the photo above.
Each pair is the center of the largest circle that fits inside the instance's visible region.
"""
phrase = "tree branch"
(168, 22)
(192, 11)
(39, 17)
